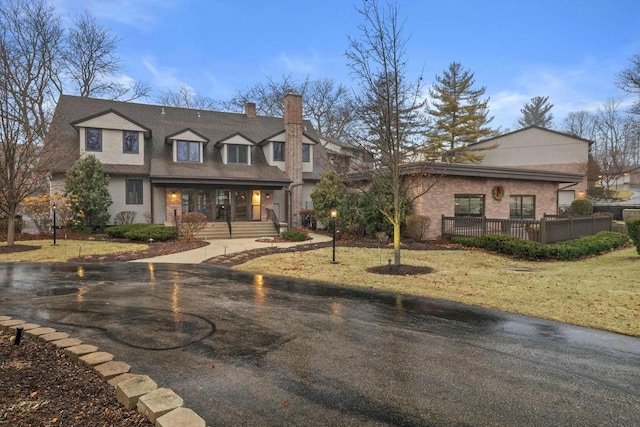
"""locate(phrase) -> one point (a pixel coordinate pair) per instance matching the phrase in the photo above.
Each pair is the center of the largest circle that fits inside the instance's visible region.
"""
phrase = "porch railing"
(546, 230)
(272, 214)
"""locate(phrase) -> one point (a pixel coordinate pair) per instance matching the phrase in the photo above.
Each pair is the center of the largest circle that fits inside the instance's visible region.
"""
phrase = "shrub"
(294, 235)
(192, 223)
(526, 249)
(18, 224)
(124, 217)
(633, 229)
(143, 232)
(581, 207)
(418, 227)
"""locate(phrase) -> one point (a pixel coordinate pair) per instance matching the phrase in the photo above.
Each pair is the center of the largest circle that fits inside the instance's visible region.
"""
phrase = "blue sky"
(569, 50)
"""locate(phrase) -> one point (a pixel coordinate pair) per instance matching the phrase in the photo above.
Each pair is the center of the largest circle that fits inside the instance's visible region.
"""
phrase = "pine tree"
(461, 116)
(536, 113)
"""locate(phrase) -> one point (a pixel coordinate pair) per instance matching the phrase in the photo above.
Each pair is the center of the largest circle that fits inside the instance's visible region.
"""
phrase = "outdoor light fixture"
(334, 215)
(268, 196)
(173, 195)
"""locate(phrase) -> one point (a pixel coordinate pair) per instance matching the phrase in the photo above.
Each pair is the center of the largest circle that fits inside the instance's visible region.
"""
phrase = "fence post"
(543, 231)
(484, 225)
(442, 226)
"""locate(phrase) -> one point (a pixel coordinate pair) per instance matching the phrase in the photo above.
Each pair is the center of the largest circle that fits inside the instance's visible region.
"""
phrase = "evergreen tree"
(461, 115)
(536, 113)
(90, 185)
(327, 196)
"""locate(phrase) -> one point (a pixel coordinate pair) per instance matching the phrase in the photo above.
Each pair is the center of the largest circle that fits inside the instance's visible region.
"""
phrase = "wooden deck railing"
(546, 230)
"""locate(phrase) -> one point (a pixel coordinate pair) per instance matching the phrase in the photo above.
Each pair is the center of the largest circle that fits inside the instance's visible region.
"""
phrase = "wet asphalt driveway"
(251, 350)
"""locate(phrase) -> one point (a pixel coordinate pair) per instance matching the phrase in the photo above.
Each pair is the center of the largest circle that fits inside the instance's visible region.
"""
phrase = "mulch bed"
(42, 386)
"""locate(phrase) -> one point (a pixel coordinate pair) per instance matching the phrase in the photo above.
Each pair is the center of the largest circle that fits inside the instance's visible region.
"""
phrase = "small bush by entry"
(143, 232)
(294, 235)
(530, 250)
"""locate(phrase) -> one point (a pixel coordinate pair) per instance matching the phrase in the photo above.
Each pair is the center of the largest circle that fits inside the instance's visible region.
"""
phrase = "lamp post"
(55, 227)
(334, 214)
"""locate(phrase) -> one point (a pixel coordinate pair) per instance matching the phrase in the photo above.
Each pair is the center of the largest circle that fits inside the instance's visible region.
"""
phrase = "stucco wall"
(112, 148)
(117, 189)
(440, 199)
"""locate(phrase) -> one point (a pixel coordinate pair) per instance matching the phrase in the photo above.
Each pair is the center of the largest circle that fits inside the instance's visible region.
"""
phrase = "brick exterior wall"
(566, 167)
(293, 153)
(173, 205)
(440, 199)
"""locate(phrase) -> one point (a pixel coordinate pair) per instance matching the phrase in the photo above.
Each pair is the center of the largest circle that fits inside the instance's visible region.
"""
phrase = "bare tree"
(185, 97)
(537, 112)
(268, 96)
(91, 63)
(30, 38)
(581, 124)
(326, 103)
(390, 121)
(615, 143)
(629, 81)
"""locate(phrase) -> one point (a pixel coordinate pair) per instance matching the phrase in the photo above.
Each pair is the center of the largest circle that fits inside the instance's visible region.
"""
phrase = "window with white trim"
(306, 153)
(278, 151)
(93, 139)
(130, 143)
(188, 151)
(237, 154)
(134, 191)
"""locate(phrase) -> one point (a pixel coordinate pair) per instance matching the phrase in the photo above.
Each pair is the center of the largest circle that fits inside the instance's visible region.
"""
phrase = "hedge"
(143, 232)
(633, 228)
(294, 235)
(531, 250)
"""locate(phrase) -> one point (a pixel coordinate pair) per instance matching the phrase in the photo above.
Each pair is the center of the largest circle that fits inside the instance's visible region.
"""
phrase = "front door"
(242, 205)
(223, 205)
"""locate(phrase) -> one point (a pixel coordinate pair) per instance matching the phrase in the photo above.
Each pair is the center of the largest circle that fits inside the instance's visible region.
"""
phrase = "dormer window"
(306, 153)
(93, 139)
(237, 154)
(278, 151)
(188, 151)
(130, 142)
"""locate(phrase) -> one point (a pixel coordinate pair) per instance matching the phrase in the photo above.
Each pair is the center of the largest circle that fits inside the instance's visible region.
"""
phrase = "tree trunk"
(396, 242)
(11, 229)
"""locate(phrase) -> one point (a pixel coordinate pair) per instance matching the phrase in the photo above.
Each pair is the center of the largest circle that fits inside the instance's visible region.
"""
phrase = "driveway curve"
(246, 349)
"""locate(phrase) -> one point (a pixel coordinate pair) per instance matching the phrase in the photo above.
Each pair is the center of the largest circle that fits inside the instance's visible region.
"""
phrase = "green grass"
(66, 250)
(601, 292)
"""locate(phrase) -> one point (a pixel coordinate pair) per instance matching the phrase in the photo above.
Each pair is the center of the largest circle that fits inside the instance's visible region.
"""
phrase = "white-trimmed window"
(237, 154)
(188, 151)
(278, 151)
(93, 139)
(130, 142)
(306, 153)
(134, 191)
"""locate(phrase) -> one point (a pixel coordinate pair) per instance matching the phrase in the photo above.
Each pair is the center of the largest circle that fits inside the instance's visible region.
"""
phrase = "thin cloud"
(163, 77)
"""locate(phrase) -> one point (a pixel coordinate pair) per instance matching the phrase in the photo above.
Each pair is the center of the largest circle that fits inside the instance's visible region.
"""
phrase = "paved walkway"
(226, 246)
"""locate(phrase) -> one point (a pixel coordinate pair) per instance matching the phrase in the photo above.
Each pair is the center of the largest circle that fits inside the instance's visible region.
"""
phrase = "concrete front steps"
(240, 230)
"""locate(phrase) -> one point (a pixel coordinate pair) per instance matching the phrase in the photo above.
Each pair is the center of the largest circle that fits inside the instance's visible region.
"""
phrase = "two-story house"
(165, 161)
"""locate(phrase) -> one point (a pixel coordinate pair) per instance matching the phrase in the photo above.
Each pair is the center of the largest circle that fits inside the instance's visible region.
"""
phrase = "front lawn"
(600, 292)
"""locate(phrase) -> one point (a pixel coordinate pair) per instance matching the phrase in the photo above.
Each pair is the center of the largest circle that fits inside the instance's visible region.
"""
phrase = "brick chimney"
(250, 110)
(293, 154)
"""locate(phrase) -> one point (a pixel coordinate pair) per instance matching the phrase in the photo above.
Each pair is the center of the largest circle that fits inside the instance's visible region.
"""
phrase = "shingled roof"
(166, 121)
